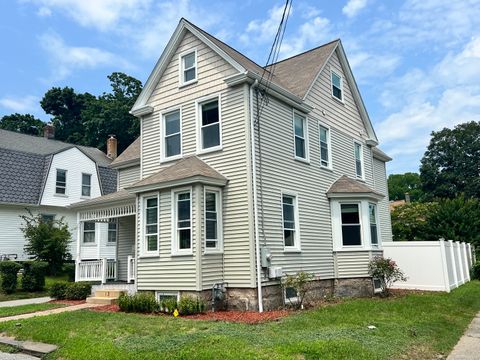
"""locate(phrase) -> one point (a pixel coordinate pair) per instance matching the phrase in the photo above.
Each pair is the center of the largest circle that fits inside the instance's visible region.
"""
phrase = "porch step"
(114, 293)
(105, 297)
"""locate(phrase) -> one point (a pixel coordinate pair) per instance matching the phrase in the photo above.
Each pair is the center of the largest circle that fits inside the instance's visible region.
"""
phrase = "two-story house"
(45, 176)
(242, 174)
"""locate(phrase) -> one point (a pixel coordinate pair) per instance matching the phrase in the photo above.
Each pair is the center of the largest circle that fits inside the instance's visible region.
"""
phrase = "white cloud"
(366, 65)
(44, 11)
(265, 30)
(353, 7)
(24, 104)
(65, 59)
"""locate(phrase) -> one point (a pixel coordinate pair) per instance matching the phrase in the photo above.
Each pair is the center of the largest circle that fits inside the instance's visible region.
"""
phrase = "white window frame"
(296, 237)
(90, 243)
(290, 301)
(167, 293)
(332, 72)
(89, 186)
(219, 208)
(144, 252)
(182, 70)
(176, 251)
(198, 106)
(56, 181)
(305, 137)
(108, 233)
(377, 225)
(362, 168)
(163, 136)
(329, 145)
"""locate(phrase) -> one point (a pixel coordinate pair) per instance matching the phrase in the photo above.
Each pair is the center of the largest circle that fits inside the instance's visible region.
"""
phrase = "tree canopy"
(451, 165)
(399, 184)
(24, 123)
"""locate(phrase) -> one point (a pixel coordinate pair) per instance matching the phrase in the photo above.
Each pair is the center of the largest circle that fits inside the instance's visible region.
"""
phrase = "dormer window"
(188, 67)
(337, 86)
(61, 182)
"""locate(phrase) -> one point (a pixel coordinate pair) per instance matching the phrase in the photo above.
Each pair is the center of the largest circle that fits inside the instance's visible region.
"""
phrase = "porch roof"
(348, 187)
(121, 196)
(188, 170)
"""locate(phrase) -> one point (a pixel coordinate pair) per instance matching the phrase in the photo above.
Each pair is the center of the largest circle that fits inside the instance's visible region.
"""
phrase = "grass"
(411, 327)
(19, 294)
(25, 309)
(8, 349)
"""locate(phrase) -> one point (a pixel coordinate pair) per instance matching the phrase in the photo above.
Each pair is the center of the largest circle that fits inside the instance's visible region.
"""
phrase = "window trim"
(219, 203)
(159, 293)
(332, 85)
(175, 245)
(181, 69)
(329, 145)
(94, 242)
(89, 186)
(305, 137)
(360, 219)
(198, 106)
(143, 243)
(163, 157)
(362, 166)
(65, 187)
(296, 239)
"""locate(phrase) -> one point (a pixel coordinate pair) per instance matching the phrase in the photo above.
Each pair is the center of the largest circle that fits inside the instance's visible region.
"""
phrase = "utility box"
(275, 272)
(265, 257)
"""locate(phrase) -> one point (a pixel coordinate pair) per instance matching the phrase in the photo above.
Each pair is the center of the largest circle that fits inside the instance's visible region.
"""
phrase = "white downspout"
(255, 208)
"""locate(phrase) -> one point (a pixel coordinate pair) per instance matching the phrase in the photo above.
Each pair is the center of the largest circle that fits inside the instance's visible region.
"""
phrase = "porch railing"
(96, 270)
(131, 269)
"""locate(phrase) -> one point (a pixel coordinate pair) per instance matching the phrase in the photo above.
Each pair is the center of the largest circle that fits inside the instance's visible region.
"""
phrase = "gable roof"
(346, 185)
(130, 156)
(187, 171)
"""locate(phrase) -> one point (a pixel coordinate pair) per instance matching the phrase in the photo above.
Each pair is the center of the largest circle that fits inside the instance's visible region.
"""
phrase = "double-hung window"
(351, 226)
(213, 220)
(290, 222)
(210, 127)
(325, 147)
(61, 182)
(86, 185)
(337, 86)
(172, 135)
(112, 232)
(300, 131)
(89, 232)
(188, 70)
(372, 212)
(182, 222)
(358, 152)
(150, 224)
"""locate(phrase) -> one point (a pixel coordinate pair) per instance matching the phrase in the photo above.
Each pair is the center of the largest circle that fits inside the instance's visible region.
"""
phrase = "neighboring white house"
(241, 175)
(45, 176)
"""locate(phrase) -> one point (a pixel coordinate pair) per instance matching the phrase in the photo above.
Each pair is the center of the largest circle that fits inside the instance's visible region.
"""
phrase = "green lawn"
(412, 327)
(19, 294)
(24, 309)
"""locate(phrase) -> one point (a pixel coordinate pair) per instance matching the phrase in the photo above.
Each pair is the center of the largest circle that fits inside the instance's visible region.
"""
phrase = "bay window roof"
(346, 187)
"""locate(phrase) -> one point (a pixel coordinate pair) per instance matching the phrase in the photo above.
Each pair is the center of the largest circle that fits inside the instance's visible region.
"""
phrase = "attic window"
(337, 86)
(188, 64)
(61, 182)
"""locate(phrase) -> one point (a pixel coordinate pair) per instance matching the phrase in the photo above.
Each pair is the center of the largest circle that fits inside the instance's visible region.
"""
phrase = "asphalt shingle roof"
(108, 178)
(346, 185)
(129, 155)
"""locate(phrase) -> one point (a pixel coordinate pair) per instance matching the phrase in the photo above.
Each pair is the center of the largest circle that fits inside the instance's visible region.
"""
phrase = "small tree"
(47, 240)
(386, 271)
(300, 282)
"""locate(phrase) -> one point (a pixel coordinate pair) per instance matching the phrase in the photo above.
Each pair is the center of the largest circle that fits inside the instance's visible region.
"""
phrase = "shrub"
(476, 271)
(9, 271)
(78, 290)
(139, 303)
(58, 290)
(189, 305)
(168, 305)
(300, 282)
(33, 278)
(386, 271)
(69, 269)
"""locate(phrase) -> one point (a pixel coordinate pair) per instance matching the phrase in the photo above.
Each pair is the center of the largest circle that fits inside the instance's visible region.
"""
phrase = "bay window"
(213, 220)
(150, 237)
(351, 227)
(182, 222)
(372, 213)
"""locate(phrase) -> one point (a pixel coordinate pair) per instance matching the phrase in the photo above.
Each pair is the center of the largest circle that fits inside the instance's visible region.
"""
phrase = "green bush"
(9, 271)
(139, 303)
(58, 290)
(386, 271)
(69, 270)
(476, 271)
(33, 277)
(300, 282)
(191, 305)
(168, 305)
(78, 290)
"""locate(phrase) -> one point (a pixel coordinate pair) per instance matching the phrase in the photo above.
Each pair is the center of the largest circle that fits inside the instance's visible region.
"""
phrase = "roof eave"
(355, 195)
(141, 111)
(126, 164)
(381, 155)
(174, 183)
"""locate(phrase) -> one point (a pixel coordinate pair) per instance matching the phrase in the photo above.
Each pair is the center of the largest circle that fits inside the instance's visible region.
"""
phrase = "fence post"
(104, 270)
(466, 266)
(459, 254)
(454, 263)
(446, 280)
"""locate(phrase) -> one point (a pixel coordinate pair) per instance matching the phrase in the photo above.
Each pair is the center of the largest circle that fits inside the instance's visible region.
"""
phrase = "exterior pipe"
(255, 200)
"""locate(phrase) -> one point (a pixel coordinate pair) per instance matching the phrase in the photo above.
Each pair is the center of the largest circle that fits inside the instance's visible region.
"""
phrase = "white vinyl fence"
(431, 265)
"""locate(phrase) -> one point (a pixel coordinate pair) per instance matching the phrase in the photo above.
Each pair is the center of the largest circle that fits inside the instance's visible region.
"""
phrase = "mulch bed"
(67, 302)
(106, 308)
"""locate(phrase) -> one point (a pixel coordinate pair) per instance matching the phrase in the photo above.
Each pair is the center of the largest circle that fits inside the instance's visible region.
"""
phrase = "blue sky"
(417, 62)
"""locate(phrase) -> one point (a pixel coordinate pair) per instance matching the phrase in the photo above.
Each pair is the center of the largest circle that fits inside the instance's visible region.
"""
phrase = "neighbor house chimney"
(49, 131)
(112, 147)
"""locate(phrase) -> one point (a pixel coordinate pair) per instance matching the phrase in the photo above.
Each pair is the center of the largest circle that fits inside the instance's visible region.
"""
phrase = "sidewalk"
(49, 312)
(12, 303)
(468, 347)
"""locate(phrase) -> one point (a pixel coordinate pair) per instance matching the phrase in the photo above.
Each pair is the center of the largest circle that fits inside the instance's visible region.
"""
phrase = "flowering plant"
(386, 271)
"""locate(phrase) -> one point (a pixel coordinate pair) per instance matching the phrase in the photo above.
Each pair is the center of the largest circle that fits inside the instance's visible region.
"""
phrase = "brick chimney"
(49, 131)
(112, 147)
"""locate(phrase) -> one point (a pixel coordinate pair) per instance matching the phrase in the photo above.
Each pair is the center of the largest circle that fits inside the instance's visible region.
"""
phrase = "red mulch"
(247, 317)
(106, 308)
(67, 302)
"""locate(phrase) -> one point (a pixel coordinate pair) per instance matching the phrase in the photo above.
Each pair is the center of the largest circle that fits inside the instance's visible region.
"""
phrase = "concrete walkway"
(49, 312)
(21, 302)
(18, 356)
(468, 348)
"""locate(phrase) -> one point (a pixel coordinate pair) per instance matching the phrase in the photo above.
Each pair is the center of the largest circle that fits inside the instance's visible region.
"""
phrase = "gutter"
(255, 200)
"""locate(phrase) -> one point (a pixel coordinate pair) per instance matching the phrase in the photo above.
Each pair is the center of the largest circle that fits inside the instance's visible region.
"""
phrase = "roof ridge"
(305, 52)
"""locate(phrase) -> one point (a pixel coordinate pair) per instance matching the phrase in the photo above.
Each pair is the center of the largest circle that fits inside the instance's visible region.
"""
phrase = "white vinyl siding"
(188, 67)
(182, 241)
(128, 176)
(171, 130)
(383, 209)
(300, 130)
(86, 185)
(61, 182)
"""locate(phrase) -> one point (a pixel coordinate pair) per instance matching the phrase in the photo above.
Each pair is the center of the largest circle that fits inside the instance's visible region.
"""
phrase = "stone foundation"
(354, 287)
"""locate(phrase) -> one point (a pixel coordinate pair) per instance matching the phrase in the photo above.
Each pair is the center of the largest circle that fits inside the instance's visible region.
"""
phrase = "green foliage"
(451, 163)
(399, 184)
(8, 272)
(58, 290)
(138, 303)
(409, 221)
(168, 305)
(24, 123)
(189, 305)
(78, 290)
(475, 272)
(386, 271)
(47, 241)
(69, 270)
(301, 282)
(33, 277)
